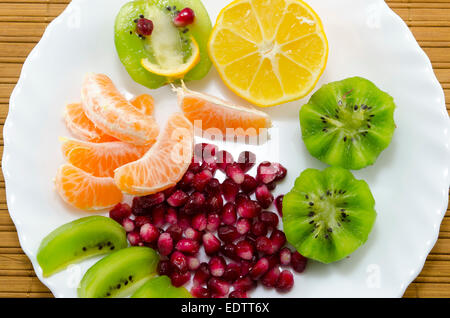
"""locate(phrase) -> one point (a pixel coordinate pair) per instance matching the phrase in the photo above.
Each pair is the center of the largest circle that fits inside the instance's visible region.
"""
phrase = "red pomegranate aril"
(232, 272)
(149, 233)
(214, 203)
(245, 250)
(259, 229)
(201, 179)
(193, 263)
(204, 151)
(186, 182)
(194, 167)
(279, 204)
(243, 226)
(202, 274)
(298, 262)
(152, 200)
(144, 27)
(177, 199)
(246, 160)
(199, 291)
(210, 243)
(246, 266)
(134, 238)
(184, 221)
(248, 208)
(281, 171)
(128, 225)
(171, 216)
(285, 281)
(168, 192)
(229, 215)
(178, 279)
(235, 173)
(199, 222)
(274, 260)
(120, 212)
(285, 256)
(217, 266)
(249, 185)
(260, 268)
(266, 173)
(241, 197)
(271, 186)
(178, 261)
(211, 165)
(213, 187)
(195, 203)
(141, 220)
(229, 189)
(165, 244)
(269, 218)
(278, 239)
(224, 158)
(187, 246)
(228, 233)
(238, 294)
(218, 286)
(271, 277)
(159, 216)
(229, 250)
(175, 232)
(185, 17)
(263, 195)
(244, 284)
(164, 268)
(264, 245)
(192, 234)
(213, 222)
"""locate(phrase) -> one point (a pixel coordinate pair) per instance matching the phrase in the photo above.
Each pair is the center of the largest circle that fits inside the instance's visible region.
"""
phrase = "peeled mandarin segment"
(145, 103)
(83, 128)
(112, 113)
(271, 56)
(164, 164)
(100, 159)
(216, 114)
(84, 191)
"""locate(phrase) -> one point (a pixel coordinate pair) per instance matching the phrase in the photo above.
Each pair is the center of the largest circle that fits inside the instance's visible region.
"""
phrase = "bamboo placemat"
(22, 23)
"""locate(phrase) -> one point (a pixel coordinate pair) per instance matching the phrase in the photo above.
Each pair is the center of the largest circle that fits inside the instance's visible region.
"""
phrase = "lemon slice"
(269, 52)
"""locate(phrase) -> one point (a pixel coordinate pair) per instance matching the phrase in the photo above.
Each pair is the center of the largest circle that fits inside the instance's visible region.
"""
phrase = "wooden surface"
(22, 23)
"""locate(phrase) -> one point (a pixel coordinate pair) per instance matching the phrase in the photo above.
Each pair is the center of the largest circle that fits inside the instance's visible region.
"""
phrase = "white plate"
(410, 180)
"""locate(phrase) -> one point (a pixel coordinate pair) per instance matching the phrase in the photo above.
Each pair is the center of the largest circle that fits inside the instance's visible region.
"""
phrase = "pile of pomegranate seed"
(241, 240)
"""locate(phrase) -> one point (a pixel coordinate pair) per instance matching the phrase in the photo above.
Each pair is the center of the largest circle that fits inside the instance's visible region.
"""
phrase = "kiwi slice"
(78, 240)
(348, 123)
(161, 287)
(328, 214)
(120, 273)
(167, 42)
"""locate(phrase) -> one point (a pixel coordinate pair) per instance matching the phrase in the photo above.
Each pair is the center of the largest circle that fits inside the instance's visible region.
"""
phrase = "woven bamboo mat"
(22, 23)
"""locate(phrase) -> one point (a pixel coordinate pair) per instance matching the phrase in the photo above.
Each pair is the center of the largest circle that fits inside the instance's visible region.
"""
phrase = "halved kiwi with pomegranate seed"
(328, 214)
(348, 123)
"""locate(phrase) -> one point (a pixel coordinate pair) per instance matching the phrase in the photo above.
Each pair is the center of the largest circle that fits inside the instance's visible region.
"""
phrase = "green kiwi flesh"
(161, 287)
(132, 49)
(78, 240)
(348, 123)
(328, 214)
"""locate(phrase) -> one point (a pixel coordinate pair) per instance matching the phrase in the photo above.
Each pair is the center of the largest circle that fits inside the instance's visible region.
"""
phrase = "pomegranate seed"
(165, 244)
(175, 232)
(279, 204)
(185, 17)
(149, 233)
(229, 213)
(199, 222)
(238, 294)
(241, 197)
(260, 268)
(201, 179)
(195, 203)
(249, 184)
(244, 284)
(298, 262)
(186, 182)
(243, 226)
(187, 246)
(144, 27)
(178, 279)
(184, 221)
(248, 208)
(213, 222)
(193, 263)
(229, 250)
(271, 277)
(200, 292)
(217, 266)
(244, 249)
(228, 233)
(178, 198)
(120, 212)
(149, 201)
(269, 218)
(214, 203)
(164, 268)
(159, 216)
(202, 274)
(141, 220)
(194, 167)
(128, 225)
(178, 261)
(224, 158)
(213, 187)
(264, 245)
(192, 234)
(204, 151)
(281, 171)
(168, 192)
(271, 185)
(266, 173)
(246, 266)
(229, 189)
(134, 238)
(259, 229)
(210, 243)
(246, 160)
(218, 286)
(285, 281)
(274, 260)
(285, 256)
(232, 272)
(278, 239)
(211, 165)
(171, 216)
(263, 195)
(235, 173)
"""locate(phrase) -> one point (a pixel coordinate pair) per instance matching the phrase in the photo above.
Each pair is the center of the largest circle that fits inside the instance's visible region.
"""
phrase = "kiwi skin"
(328, 214)
(78, 240)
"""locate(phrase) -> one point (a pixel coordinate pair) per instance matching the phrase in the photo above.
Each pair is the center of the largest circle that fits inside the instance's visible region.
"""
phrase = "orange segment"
(84, 191)
(145, 103)
(100, 159)
(215, 113)
(164, 164)
(113, 114)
